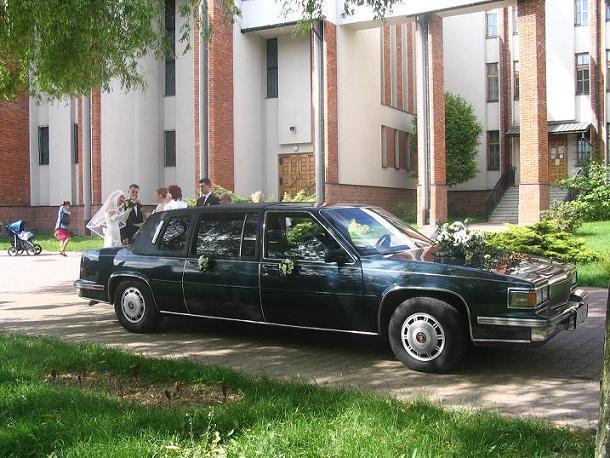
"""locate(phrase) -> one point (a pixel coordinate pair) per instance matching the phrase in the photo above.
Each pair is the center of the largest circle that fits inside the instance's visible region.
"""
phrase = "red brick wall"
(374, 195)
(387, 66)
(410, 68)
(220, 98)
(399, 91)
(80, 151)
(196, 44)
(331, 118)
(96, 147)
(467, 203)
(15, 152)
(506, 72)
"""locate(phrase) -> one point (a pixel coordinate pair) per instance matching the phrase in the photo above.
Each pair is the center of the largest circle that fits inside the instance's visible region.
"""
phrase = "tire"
(37, 249)
(12, 251)
(30, 250)
(428, 335)
(135, 308)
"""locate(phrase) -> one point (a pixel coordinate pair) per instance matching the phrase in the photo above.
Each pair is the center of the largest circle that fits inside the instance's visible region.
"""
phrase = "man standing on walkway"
(135, 218)
(207, 197)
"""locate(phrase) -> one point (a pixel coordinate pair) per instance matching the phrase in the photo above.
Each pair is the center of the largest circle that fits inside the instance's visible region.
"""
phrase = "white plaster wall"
(294, 90)
(271, 176)
(60, 153)
(248, 106)
(361, 113)
(560, 50)
(583, 108)
(465, 75)
(35, 179)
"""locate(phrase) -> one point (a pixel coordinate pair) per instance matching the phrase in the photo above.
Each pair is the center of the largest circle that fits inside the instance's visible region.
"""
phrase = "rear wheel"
(37, 249)
(30, 250)
(12, 251)
(427, 334)
(135, 308)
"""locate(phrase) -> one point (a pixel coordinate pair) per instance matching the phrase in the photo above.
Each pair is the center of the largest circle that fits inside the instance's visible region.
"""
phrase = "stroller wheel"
(37, 249)
(12, 251)
(30, 250)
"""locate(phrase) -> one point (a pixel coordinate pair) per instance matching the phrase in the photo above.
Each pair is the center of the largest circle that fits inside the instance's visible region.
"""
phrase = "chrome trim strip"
(516, 341)
(366, 269)
(270, 324)
(400, 288)
(530, 322)
(80, 284)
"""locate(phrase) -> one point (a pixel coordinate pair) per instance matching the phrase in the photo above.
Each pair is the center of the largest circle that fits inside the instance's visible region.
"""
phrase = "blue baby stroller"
(21, 240)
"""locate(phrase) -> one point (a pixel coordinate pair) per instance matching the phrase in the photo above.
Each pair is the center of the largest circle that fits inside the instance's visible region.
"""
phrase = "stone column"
(432, 184)
(534, 148)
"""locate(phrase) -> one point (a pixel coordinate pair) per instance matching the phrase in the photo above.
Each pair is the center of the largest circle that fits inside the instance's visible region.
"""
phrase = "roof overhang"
(558, 128)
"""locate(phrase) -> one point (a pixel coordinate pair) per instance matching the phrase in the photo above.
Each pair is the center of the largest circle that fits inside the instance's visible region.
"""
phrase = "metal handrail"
(495, 196)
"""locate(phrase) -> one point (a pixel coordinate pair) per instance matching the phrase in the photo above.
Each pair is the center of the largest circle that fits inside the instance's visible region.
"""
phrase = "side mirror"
(337, 255)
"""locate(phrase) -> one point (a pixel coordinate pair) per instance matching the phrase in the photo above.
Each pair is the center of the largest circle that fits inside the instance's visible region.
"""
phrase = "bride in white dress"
(109, 220)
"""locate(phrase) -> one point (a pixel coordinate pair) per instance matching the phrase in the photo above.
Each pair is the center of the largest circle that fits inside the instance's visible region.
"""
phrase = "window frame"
(580, 69)
(608, 66)
(579, 16)
(244, 213)
(325, 226)
(515, 20)
(492, 77)
(494, 33)
(165, 162)
(272, 68)
(170, 60)
(579, 152)
(42, 129)
(491, 166)
(75, 141)
(516, 81)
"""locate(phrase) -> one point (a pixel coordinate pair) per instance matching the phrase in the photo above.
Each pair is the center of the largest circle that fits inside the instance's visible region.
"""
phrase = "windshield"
(375, 231)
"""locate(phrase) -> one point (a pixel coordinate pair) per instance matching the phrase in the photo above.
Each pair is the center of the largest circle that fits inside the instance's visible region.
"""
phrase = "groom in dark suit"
(135, 218)
(207, 196)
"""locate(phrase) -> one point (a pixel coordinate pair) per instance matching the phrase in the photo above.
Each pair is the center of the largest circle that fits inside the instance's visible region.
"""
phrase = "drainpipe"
(86, 128)
(203, 92)
(422, 22)
(320, 158)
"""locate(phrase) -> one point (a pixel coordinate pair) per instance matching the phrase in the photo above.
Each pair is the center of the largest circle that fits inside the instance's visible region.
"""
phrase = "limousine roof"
(267, 206)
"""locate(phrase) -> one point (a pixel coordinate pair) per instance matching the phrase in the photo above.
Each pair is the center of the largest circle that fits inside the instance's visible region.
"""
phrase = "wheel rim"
(133, 305)
(422, 336)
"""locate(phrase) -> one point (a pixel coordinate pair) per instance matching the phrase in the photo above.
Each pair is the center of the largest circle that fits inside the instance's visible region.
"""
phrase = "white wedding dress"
(109, 220)
(112, 232)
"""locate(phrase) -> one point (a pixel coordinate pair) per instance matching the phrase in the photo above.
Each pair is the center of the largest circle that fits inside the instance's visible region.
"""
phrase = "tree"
(462, 132)
(65, 48)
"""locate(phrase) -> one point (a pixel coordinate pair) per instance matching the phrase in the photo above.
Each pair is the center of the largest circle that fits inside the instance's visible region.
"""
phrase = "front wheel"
(37, 249)
(12, 251)
(135, 308)
(427, 334)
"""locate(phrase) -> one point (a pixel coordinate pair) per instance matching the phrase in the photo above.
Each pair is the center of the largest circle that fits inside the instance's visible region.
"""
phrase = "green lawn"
(50, 243)
(61, 399)
(597, 236)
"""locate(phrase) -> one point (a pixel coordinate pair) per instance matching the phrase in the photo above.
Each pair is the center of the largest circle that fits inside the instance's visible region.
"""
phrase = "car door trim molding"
(269, 323)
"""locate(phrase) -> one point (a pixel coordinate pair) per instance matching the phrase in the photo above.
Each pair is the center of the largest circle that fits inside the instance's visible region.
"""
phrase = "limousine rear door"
(307, 277)
(221, 272)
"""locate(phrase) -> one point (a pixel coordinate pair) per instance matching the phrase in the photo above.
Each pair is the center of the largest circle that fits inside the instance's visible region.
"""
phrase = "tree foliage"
(462, 132)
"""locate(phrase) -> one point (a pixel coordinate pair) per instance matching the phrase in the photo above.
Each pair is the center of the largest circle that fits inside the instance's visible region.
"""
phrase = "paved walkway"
(558, 382)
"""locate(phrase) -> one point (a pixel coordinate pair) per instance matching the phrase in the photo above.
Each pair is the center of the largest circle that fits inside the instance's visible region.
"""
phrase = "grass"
(39, 416)
(50, 243)
(597, 237)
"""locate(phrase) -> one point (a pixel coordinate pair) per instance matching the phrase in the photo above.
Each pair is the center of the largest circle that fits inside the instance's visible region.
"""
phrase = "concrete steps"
(507, 210)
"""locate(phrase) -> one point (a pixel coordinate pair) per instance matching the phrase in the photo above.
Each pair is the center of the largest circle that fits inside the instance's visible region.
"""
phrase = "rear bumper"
(91, 290)
(542, 328)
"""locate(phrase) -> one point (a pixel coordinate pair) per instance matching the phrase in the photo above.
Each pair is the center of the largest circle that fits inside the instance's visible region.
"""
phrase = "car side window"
(174, 237)
(297, 236)
(220, 236)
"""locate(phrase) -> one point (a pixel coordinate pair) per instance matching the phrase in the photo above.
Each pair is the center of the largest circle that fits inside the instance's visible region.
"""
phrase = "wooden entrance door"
(558, 157)
(297, 173)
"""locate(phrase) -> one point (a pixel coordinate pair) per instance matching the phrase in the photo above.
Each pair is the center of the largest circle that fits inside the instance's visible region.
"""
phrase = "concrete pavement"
(558, 382)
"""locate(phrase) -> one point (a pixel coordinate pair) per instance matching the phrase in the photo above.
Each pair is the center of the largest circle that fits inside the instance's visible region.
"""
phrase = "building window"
(395, 149)
(170, 60)
(608, 70)
(272, 86)
(43, 145)
(583, 151)
(516, 79)
(492, 82)
(491, 18)
(170, 148)
(582, 74)
(493, 150)
(75, 142)
(581, 10)
(607, 12)
(515, 20)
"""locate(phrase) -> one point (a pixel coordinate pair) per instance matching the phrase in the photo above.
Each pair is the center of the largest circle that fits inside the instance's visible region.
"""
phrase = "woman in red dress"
(62, 225)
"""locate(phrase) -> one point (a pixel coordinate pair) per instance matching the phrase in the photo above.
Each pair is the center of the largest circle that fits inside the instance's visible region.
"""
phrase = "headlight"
(528, 298)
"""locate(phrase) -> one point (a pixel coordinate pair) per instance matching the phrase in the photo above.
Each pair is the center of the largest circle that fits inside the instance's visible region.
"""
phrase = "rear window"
(230, 235)
(175, 235)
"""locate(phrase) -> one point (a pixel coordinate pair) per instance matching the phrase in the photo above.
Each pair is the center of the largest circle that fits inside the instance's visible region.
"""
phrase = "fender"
(419, 290)
(116, 276)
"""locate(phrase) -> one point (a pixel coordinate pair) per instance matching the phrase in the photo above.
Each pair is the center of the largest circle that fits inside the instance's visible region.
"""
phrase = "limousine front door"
(221, 273)
(324, 288)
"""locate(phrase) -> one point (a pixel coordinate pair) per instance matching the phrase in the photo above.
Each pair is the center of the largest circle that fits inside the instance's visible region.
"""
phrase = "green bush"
(565, 214)
(299, 197)
(406, 211)
(593, 200)
(543, 239)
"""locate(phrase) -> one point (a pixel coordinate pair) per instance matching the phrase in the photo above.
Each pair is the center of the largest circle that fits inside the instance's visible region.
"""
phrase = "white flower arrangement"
(203, 263)
(286, 267)
(129, 203)
(459, 244)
